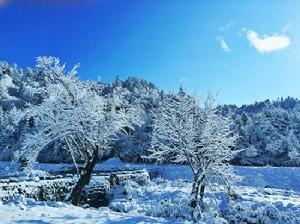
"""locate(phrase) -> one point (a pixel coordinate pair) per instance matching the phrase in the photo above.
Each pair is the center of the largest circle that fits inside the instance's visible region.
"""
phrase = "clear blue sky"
(246, 50)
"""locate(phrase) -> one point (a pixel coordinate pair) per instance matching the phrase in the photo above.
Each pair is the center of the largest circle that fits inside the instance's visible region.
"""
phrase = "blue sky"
(246, 50)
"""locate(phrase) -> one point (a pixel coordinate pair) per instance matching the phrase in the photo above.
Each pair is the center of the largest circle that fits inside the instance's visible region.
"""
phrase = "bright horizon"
(246, 51)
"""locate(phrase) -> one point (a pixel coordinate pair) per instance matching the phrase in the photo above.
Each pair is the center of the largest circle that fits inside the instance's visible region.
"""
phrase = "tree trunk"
(201, 194)
(197, 202)
(84, 178)
(198, 191)
(195, 193)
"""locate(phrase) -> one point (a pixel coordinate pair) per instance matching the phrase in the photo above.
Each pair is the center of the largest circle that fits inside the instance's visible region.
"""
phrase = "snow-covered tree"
(199, 136)
(133, 144)
(75, 115)
(273, 132)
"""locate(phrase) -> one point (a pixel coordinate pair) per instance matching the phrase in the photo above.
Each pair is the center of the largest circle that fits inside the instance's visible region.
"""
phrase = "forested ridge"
(269, 131)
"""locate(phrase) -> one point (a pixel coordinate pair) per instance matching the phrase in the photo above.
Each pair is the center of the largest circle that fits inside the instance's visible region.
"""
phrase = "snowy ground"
(42, 213)
(266, 195)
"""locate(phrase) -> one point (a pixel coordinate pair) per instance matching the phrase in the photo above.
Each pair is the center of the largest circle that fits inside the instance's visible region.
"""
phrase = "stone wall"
(55, 188)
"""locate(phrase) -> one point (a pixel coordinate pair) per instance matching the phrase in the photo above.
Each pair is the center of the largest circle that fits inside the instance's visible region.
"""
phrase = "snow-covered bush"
(155, 199)
(263, 213)
(162, 198)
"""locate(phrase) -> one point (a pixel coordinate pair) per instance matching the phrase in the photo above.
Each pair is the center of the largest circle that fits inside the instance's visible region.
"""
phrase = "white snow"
(29, 211)
(263, 191)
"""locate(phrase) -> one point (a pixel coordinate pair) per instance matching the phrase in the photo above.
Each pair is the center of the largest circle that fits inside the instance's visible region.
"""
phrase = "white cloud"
(223, 44)
(266, 44)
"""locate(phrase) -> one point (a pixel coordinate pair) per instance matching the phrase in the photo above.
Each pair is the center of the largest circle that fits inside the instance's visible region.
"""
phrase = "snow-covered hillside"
(269, 130)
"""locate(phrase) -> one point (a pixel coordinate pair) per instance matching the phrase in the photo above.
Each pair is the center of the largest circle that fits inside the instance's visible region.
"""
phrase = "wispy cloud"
(184, 80)
(286, 27)
(223, 44)
(268, 43)
(228, 26)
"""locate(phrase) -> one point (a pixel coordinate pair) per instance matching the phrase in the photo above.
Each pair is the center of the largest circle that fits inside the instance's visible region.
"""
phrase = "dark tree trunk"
(195, 193)
(201, 194)
(84, 178)
(198, 191)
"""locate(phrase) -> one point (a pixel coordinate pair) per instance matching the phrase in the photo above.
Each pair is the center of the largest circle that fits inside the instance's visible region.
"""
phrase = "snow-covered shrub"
(262, 213)
(162, 198)
(124, 197)
(154, 199)
(211, 216)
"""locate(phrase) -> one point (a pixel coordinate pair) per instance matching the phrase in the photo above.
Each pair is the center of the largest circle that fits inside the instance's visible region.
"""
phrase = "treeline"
(269, 131)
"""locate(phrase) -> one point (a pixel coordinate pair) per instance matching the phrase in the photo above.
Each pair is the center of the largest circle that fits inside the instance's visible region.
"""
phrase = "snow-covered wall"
(55, 188)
